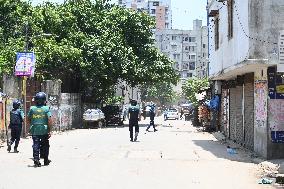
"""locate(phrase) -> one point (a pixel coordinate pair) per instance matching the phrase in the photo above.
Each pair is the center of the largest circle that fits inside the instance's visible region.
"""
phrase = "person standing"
(40, 128)
(152, 117)
(16, 121)
(133, 117)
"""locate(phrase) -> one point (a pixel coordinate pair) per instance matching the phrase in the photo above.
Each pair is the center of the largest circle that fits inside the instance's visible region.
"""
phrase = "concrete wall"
(12, 86)
(265, 21)
(260, 107)
(231, 51)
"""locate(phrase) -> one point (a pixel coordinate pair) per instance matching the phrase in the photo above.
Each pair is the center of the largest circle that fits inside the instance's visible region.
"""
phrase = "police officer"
(134, 117)
(40, 128)
(16, 120)
(152, 117)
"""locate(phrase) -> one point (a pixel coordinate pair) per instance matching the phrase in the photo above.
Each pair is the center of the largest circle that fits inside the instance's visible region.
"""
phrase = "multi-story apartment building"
(159, 9)
(187, 48)
(246, 62)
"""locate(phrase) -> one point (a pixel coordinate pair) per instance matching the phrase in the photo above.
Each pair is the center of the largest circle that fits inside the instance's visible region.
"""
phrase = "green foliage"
(161, 92)
(93, 43)
(115, 100)
(193, 87)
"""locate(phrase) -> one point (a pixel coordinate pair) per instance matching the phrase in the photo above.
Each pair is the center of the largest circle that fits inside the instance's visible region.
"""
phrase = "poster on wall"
(260, 103)
(276, 120)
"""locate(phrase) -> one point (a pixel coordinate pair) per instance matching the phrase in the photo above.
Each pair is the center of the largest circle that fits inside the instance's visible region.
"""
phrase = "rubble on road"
(268, 169)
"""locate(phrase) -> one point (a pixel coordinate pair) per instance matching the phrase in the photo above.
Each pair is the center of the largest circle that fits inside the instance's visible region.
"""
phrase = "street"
(177, 156)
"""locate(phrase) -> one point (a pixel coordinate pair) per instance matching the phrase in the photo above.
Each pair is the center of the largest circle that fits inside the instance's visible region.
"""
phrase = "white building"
(187, 48)
(245, 40)
(160, 9)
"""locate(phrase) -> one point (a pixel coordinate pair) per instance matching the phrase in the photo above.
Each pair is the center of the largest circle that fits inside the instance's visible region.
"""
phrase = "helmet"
(133, 102)
(16, 104)
(40, 98)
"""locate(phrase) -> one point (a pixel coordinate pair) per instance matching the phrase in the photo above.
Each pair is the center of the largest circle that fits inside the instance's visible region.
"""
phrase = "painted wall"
(260, 107)
(275, 114)
(231, 51)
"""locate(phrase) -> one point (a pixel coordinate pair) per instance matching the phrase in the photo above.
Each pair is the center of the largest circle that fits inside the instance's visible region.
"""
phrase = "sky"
(183, 12)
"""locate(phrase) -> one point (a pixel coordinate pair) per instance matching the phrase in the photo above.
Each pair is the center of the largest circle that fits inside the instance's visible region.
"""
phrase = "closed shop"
(249, 111)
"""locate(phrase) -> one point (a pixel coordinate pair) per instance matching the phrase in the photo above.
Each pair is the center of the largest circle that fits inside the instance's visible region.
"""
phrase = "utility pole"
(24, 84)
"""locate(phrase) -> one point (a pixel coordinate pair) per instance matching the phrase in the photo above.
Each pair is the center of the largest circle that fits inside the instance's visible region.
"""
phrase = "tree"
(193, 87)
(93, 45)
(160, 92)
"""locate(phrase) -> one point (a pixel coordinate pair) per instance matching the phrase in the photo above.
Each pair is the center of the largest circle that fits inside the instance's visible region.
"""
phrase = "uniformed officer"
(40, 128)
(134, 117)
(16, 120)
(152, 117)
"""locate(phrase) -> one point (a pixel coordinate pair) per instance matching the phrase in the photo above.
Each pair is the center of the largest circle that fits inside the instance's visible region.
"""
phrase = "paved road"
(177, 156)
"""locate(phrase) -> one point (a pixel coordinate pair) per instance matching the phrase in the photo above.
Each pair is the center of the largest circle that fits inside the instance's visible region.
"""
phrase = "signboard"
(25, 64)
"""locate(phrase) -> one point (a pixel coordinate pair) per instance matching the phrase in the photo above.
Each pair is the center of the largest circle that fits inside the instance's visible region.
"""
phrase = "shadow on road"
(220, 150)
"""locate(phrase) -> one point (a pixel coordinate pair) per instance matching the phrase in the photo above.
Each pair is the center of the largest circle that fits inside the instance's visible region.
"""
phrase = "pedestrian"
(133, 117)
(16, 121)
(40, 128)
(152, 117)
(181, 113)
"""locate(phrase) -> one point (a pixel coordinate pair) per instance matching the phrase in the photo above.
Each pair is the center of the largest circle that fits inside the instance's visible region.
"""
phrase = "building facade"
(246, 48)
(187, 48)
(159, 9)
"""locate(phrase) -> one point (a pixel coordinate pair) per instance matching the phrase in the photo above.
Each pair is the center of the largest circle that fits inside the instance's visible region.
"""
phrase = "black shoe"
(9, 148)
(131, 140)
(147, 130)
(15, 150)
(47, 162)
(37, 163)
(155, 130)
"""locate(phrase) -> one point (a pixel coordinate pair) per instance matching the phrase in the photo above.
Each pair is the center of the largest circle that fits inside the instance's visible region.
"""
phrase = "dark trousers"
(40, 146)
(131, 125)
(151, 124)
(16, 131)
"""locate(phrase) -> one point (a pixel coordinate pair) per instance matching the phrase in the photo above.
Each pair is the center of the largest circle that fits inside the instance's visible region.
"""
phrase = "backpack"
(15, 117)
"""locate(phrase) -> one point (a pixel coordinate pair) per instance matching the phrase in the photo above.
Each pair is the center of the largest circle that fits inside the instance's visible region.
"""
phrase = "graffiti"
(260, 102)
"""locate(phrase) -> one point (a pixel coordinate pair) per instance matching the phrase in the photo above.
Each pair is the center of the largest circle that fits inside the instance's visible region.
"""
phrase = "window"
(189, 74)
(153, 11)
(156, 3)
(174, 47)
(176, 56)
(192, 48)
(185, 38)
(167, 25)
(192, 39)
(216, 32)
(192, 66)
(185, 66)
(186, 48)
(204, 46)
(177, 66)
(230, 7)
(192, 57)
(174, 38)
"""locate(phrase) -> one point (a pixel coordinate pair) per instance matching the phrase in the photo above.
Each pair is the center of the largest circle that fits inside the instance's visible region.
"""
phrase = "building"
(246, 40)
(187, 48)
(160, 9)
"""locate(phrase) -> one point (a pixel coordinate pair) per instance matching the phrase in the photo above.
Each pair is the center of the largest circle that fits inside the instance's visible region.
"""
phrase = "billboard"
(25, 64)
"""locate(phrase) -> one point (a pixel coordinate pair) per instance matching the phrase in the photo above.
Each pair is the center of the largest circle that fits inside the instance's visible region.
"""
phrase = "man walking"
(40, 121)
(152, 117)
(133, 116)
(16, 120)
